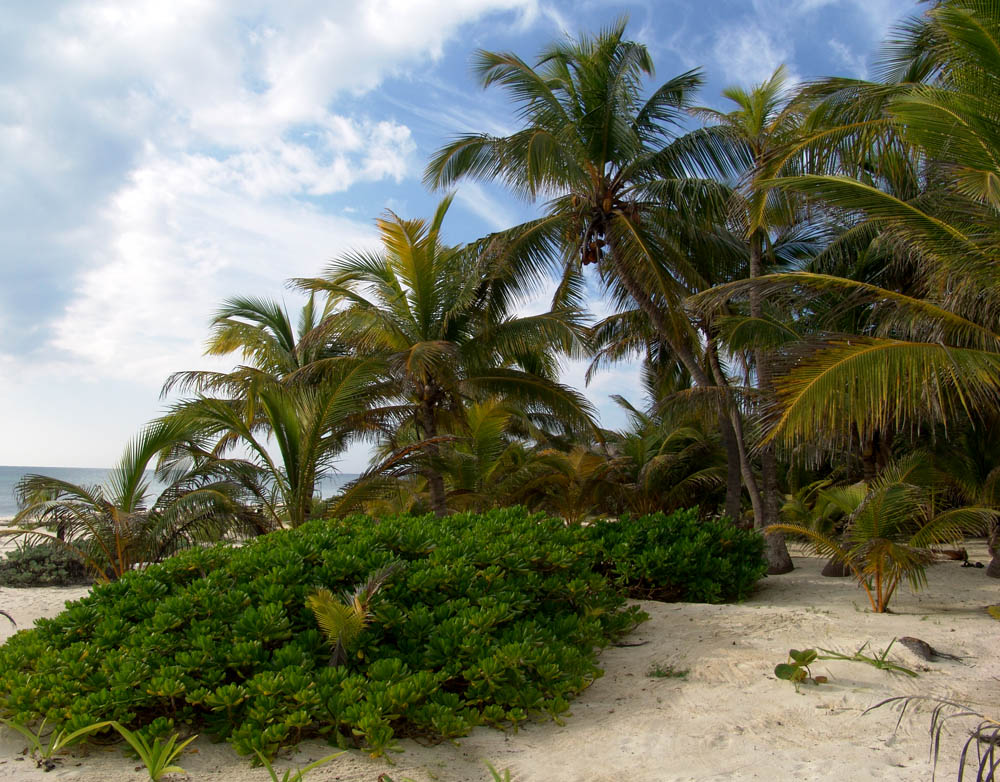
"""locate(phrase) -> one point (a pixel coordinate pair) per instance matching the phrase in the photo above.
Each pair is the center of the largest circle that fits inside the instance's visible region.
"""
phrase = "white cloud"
(184, 235)
(748, 54)
(854, 62)
(494, 213)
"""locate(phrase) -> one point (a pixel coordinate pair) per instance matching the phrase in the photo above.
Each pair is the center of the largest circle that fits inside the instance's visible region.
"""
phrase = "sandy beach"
(727, 719)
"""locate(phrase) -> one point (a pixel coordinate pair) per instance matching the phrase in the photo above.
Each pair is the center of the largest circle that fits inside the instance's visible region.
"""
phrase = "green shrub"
(48, 564)
(493, 619)
(680, 557)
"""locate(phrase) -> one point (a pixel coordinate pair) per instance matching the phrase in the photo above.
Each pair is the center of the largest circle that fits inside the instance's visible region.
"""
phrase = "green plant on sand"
(876, 660)
(796, 669)
(495, 620)
(661, 671)
(158, 756)
(299, 774)
(890, 527)
(42, 747)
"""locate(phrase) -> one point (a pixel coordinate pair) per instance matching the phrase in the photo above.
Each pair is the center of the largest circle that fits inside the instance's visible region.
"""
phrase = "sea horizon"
(11, 474)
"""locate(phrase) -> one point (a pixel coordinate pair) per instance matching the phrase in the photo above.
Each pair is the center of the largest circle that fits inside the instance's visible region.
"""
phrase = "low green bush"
(490, 619)
(680, 557)
(48, 564)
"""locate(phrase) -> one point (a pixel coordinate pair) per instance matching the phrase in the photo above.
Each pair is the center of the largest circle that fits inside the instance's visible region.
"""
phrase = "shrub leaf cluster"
(680, 557)
(494, 619)
(46, 564)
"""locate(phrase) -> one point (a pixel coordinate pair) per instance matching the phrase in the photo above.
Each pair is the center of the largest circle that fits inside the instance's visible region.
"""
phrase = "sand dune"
(729, 718)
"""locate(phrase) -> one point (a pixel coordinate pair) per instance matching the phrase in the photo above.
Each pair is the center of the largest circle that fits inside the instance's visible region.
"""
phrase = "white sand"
(728, 719)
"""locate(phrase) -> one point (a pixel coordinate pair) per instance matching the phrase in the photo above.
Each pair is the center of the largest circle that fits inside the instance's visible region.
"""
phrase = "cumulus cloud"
(160, 157)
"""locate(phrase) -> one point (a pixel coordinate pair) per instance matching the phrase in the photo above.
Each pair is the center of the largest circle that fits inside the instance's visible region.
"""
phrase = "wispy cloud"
(749, 54)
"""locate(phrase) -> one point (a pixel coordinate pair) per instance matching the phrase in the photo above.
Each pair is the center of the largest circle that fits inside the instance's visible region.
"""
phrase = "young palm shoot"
(343, 619)
(891, 527)
(299, 774)
(159, 756)
(42, 749)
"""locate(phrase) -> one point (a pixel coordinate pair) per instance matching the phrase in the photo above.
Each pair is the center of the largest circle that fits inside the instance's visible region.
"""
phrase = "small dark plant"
(659, 671)
(46, 564)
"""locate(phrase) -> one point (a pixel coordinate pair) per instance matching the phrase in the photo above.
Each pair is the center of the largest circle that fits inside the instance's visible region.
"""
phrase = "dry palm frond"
(986, 732)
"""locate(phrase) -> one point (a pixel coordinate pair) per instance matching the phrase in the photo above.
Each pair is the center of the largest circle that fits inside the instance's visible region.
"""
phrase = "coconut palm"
(891, 526)
(626, 193)
(618, 179)
(119, 526)
(764, 122)
(927, 352)
(438, 320)
(293, 408)
(575, 485)
(932, 353)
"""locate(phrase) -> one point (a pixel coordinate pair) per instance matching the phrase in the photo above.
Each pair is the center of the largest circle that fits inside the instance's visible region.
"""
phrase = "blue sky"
(160, 157)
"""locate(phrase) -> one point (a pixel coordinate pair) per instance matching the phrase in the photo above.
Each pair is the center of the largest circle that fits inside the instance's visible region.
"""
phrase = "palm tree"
(928, 354)
(118, 526)
(891, 525)
(575, 485)
(663, 462)
(626, 194)
(294, 408)
(763, 124)
(437, 320)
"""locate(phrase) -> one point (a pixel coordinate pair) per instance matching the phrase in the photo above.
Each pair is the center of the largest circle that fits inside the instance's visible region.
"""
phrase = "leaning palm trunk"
(739, 439)
(684, 354)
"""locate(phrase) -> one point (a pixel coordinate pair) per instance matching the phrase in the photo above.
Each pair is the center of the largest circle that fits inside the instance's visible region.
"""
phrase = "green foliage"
(342, 621)
(119, 526)
(878, 660)
(796, 669)
(300, 773)
(994, 611)
(42, 747)
(158, 755)
(680, 557)
(890, 527)
(47, 564)
(495, 620)
(659, 671)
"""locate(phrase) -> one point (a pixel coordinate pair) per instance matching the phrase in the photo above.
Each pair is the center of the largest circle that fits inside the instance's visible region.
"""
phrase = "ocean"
(9, 476)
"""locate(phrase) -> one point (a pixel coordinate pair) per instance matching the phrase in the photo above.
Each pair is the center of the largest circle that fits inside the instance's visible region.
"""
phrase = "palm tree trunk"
(734, 485)
(778, 558)
(737, 462)
(435, 481)
(686, 356)
(993, 544)
(736, 421)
